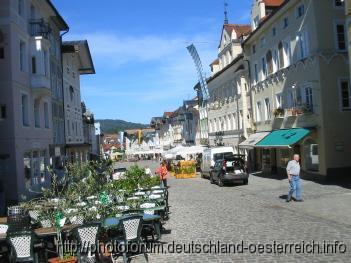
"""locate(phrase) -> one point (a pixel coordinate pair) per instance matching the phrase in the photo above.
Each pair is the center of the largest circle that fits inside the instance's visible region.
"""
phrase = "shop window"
(266, 157)
(284, 157)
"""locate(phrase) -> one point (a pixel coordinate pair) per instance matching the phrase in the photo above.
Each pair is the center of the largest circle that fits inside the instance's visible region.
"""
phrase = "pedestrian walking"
(293, 171)
(163, 171)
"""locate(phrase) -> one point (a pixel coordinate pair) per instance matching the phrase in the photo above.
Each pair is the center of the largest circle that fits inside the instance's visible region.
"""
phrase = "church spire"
(226, 13)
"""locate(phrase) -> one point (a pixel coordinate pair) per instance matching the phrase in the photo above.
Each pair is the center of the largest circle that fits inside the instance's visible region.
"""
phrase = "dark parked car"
(229, 170)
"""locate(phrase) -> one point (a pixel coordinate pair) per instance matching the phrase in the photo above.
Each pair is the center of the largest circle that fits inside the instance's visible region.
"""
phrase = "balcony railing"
(38, 27)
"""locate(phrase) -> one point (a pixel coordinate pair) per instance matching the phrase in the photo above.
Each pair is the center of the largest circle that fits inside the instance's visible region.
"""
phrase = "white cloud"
(171, 77)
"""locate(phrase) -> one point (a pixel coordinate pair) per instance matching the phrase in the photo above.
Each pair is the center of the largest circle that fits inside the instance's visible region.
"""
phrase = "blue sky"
(139, 50)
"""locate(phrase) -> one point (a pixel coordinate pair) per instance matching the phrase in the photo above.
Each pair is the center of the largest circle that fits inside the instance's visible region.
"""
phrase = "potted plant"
(46, 218)
(59, 222)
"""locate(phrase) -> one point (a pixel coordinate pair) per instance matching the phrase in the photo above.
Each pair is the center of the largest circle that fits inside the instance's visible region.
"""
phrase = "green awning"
(283, 138)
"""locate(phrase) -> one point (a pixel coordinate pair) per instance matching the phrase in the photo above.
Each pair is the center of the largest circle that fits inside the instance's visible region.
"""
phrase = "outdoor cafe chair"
(131, 226)
(148, 228)
(87, 237)
(22, 246)
(3, 228)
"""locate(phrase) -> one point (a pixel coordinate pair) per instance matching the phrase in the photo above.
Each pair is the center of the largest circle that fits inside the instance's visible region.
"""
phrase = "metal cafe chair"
(148, 229)
(87, 236)
(22, 246)
(131, 226)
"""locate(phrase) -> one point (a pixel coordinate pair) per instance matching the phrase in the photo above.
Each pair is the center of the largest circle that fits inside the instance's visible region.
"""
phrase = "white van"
(209, 157)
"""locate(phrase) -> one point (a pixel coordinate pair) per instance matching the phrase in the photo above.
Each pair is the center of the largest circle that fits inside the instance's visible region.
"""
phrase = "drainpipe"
(63, 94)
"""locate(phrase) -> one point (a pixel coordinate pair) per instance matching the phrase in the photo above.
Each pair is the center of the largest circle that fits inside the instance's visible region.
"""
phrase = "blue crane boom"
(202, 79)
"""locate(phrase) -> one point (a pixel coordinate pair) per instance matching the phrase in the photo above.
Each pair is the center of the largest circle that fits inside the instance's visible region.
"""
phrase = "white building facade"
(229, 108)
(29, 46)
(77, 61)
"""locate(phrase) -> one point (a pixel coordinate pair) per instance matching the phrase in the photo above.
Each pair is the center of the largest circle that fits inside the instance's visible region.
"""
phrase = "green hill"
(114, 126)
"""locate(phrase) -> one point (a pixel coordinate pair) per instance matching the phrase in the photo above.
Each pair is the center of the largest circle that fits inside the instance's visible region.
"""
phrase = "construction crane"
(203, 121)
(202, 79)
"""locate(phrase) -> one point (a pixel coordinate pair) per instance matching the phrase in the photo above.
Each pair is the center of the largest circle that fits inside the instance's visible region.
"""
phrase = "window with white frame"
(25, 111)
(34, 65)
(256, 73)
(269, 60)
(264, 68)
(340, 36)
(234, 124)
(345, 94)
(292, 98)
(268, 111)
(308, 98)
(263, 42)
(300, 10)
(45, 63)
(230, 127)
(281, 61)
(285, 22)
(274, 31)
(302, 42)
(71, 93)
(3, 112)
(339, 3)
(22, 55)
(258, 111)
(286, 53)
(241, 119)
(46, 115)
(68, 128)
(253, 49)
(256, 21)
(278, 100)
(275, 61)
(21, 7)
(36, 114)
(2, 52)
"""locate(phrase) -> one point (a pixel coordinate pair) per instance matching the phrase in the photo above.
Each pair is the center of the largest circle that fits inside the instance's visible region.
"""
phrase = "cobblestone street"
(257, 214)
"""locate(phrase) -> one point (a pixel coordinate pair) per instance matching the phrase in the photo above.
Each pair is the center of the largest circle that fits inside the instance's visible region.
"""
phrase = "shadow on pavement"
(268, 175)
(342, 182)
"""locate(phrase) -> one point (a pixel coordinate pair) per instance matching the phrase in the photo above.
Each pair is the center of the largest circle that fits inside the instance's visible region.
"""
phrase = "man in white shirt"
(293, 171)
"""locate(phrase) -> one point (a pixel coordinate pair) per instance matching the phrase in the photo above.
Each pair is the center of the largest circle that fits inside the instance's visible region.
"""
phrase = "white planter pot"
(46, 223)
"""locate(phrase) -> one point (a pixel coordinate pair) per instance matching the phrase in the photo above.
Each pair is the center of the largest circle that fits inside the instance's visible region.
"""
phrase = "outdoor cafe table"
(43, 231)
(156, 208)
(113, 222)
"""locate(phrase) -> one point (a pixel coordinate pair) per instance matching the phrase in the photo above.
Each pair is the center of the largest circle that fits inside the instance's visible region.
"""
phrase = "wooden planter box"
(58, 260)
